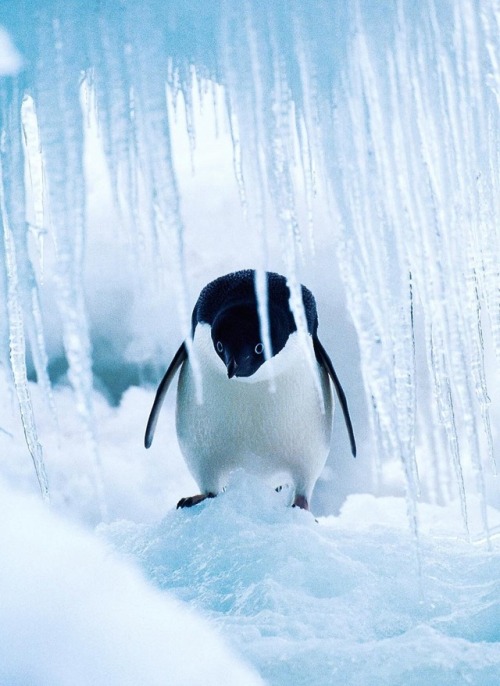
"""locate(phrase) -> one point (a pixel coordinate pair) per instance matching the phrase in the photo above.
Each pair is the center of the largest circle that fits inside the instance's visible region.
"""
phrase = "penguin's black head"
(237, 340)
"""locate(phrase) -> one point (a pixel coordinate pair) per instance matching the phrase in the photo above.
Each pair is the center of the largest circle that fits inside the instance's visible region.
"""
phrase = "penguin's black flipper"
(179, 357)
(325, 361)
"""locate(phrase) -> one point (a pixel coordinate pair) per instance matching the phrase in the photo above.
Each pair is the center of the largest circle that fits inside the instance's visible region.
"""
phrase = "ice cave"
(147, 147)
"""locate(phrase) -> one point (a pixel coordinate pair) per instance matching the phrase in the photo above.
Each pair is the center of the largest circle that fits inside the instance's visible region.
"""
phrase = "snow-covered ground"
(333, 601)
(337, 600)
(74, 613)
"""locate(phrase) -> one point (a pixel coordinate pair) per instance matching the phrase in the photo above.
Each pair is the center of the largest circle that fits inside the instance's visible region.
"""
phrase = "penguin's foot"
(301, 501)
(194, 500)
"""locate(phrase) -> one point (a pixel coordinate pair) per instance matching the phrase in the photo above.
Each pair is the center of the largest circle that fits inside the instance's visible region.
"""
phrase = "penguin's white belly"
(246, 423)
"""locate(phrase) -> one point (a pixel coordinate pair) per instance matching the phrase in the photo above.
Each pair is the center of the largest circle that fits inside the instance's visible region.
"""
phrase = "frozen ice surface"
(73, 613)
(333, 601)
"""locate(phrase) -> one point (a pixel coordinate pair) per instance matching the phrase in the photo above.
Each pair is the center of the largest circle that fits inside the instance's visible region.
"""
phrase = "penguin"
(267, 411)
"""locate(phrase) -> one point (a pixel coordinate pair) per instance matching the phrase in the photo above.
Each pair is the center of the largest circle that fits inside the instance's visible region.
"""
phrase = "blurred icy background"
(148, 147)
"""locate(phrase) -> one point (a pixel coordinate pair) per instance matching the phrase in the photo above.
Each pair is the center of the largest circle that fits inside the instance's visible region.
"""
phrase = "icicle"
(461, 341)
(307, 124)
(380, 247)
(278, 116)
(4, 316)
(154, 150)
(366, 262)
(187, 86)
(111, 88)
(17, 346)
(14, 199)
(59, 113)
(249, 116)
(263, 309)
(35, 168)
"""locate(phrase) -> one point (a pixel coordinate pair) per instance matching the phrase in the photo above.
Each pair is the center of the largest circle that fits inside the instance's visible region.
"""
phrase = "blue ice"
(320, 603)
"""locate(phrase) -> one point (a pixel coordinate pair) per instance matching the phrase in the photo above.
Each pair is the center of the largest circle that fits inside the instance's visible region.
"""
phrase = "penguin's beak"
(231, 368)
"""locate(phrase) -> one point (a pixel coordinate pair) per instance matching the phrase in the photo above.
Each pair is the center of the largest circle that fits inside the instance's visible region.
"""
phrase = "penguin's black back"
(239, 288)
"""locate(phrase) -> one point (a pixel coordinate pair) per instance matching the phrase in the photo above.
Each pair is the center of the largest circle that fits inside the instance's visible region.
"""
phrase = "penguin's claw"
(194, 500)
(301, 501)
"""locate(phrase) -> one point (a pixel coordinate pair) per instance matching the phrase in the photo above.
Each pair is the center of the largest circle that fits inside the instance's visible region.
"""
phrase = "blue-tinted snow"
(72, 614)
(333, 601)
(338, 601)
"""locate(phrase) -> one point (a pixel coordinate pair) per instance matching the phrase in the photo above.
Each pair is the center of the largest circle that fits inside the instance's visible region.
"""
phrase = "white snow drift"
(73, 614)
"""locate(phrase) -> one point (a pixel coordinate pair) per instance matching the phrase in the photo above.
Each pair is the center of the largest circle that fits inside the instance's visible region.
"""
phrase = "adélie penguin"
(268, 412)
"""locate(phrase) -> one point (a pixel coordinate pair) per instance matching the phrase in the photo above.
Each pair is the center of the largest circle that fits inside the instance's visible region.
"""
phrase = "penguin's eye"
(219, 347)
(259, 348)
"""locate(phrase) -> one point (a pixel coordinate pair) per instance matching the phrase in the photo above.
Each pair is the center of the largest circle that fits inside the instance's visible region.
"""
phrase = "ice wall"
(392, 108)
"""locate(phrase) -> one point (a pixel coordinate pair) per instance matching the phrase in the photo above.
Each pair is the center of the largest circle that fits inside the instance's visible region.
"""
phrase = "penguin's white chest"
(277, 421)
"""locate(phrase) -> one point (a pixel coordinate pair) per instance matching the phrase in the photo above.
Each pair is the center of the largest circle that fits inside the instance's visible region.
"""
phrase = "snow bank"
(324, 602)
(338, 601)
(73, 613)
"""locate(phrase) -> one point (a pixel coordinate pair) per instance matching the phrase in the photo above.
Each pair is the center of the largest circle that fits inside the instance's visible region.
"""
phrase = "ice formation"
(392, 109)
(337, 601)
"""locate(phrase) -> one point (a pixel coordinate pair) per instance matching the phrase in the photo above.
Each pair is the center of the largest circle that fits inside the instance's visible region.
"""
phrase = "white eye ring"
(219, 347)
(259, 348)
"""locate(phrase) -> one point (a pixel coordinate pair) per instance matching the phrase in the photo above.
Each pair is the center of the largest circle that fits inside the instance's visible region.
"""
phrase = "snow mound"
(72, 613)
(320, 602)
